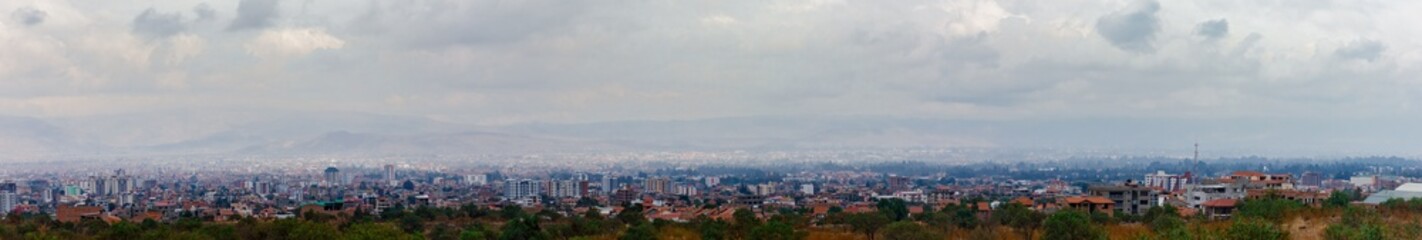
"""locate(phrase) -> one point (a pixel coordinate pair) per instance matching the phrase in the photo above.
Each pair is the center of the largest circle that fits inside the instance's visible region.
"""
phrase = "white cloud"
(291, 42)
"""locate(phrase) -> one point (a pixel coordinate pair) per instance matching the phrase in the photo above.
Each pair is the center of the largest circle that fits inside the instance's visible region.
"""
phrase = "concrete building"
(1259, 180)
(390, 175)
(1166, 182)
(522, 188)
(332, 176)
(567, 188)
(658, 185)
(1130, 199)
(1197, 194)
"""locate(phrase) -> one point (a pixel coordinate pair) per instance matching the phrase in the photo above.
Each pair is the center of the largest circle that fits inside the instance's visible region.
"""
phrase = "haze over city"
(1284, 79)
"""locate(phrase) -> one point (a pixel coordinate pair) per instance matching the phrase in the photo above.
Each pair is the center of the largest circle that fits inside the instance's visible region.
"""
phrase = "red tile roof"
(1225, 202)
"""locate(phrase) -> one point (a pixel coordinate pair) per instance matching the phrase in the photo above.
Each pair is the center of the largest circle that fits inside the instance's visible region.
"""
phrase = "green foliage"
(1071, 225)
(476, 232)
(961, 216)
(1019, 217)
(906, 230)
(523, 228)
(866, 223)
(1164, 224)
(644, 231)
(1160, 211)
(511, 212)
(1272, 209)
(374, 231)
(305, 230)
(121, 230)
(1339, 199)
(773, 231)
(895, 209)
(1254, 229)
(1356, 224)
(713, 230)
(631, 215)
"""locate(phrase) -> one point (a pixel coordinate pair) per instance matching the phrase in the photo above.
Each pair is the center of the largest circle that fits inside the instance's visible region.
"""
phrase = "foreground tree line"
(1267, 218)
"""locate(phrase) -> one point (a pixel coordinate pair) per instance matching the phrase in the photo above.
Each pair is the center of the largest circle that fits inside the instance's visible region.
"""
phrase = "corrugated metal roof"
(1410, 187)
(1384, 195)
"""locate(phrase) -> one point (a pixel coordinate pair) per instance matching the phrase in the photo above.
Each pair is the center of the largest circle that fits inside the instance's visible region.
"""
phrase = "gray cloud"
(29, 16)
(254, 14)
(1361, 49)
(204, 12)
(154, 24)
(1132, 28)
(1213, 29)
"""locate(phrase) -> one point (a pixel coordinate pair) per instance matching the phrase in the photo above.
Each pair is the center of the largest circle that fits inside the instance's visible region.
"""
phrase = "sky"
(510, 61)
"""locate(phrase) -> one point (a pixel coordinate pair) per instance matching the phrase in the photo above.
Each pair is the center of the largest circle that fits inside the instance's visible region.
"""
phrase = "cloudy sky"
(511, 61)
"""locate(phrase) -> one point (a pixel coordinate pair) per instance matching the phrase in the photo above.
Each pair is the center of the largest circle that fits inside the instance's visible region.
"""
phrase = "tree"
(907, 230)
(773, 230)
(631, 215)
(1272, 209)
(1338, 199)
(121, 230)
(375, 231)
(1167, 223)
(743, 222)
(510, 212)
(866, 223)
(1020, 218)
(1071, 225)
(1160, 211)
(476, 232)
(304, 230)
(523, 228)
(643, 231)
(714, 230)
(1356, 224)
(412, 223)
(1254, 229)
(893, 208)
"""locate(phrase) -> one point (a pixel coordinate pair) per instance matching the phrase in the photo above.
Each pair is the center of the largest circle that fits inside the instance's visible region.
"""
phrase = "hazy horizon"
(1280, 79)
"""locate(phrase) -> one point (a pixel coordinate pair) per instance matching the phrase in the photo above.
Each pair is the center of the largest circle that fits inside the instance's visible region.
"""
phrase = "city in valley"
(811, 198)
(710, 119)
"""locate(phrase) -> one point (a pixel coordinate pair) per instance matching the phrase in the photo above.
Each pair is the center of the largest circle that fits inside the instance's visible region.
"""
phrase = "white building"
(1197, 194)
(1165, 181)
(520, 188)
(8, 201)
(477, 179)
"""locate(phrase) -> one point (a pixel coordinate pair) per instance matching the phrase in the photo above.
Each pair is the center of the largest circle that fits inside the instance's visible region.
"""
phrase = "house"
(1129, 198)
(1209, 190)
(1259, 180)
(1090, 204)
(75, 214)
(1220, 208)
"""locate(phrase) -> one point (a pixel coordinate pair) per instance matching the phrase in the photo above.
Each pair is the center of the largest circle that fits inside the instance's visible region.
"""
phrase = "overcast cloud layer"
(509, 62)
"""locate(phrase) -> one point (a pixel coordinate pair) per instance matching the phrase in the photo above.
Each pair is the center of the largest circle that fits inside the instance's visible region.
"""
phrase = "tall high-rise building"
(607, 186)
(9, 186)
(8, 201)
(477, 179)
(1311, 179)
(100, 185)
(1166, 182)
(332, 176)
(566, 188)
(658, 185)
(390, 175)
(519, 188)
